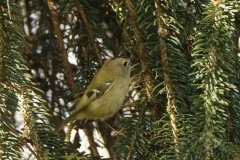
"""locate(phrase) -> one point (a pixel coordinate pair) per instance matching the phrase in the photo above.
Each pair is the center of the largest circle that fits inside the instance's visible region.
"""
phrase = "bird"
(105, 93)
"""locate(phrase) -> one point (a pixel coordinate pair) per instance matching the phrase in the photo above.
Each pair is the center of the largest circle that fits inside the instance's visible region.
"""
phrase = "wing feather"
(86, 99)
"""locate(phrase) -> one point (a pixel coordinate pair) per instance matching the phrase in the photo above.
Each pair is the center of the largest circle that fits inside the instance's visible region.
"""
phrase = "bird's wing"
(93, 94)
(86, 99)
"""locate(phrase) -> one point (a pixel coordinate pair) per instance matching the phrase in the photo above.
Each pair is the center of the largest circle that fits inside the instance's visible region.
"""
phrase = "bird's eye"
(125, 63)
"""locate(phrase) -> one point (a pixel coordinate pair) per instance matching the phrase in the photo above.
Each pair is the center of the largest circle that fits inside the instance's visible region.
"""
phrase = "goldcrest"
(105, 94)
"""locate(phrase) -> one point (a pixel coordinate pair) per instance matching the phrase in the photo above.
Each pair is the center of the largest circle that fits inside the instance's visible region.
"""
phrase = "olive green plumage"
(105, 94)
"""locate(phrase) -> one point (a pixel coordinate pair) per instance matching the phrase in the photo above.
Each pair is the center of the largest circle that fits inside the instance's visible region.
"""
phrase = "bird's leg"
(115, 131)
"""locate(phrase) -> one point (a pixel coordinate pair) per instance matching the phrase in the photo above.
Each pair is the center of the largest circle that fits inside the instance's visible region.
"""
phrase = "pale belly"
(106, 105)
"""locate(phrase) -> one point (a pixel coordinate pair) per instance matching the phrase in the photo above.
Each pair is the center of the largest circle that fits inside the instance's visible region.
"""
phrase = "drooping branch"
(162, 33)
(64, 53)
(85, 21)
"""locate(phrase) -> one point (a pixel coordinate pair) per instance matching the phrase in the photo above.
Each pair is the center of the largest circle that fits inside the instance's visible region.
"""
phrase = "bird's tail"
(75, 114)
(65, 122)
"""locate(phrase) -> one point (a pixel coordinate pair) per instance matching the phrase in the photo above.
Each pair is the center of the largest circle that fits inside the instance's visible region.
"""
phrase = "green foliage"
(18, 93)
(183, 101)
(11, 74)
(215, 60)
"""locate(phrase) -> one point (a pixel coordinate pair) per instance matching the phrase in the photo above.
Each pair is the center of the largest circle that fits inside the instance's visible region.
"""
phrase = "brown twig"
(85, 21)
(91, 139)
(57, 30)
(133, 139)
(68, 134)
(24, 142)
(162, 33)
(64, 53)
